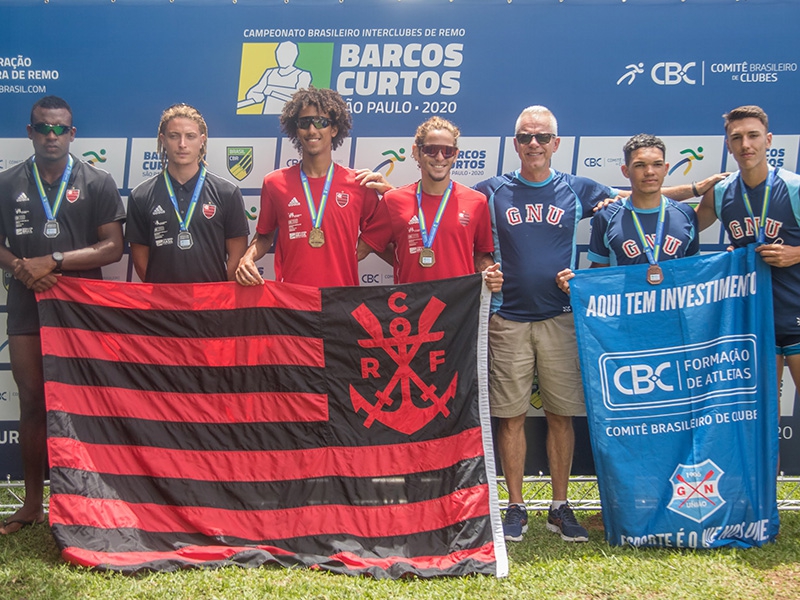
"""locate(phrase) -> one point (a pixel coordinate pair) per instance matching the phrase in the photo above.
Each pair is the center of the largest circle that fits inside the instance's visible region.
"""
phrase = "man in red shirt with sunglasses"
(317, 207)
(439, 228)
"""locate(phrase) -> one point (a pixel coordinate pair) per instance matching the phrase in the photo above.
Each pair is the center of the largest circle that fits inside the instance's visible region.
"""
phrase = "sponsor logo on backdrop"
(661, 73)
(775, 157)
(469, 161)
(151, 164)
(391, 157)
(271, 72)
(632, 71)
(374, 78)
(689, 156)
(670, 73)
(695, 490)
(94, 158)
(7, 163)
(240, 161)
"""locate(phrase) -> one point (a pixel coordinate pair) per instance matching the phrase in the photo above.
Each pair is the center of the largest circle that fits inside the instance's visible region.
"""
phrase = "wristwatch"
(59, 258)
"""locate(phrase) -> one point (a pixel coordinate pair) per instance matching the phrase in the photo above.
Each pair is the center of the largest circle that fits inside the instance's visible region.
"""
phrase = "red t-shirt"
(464, 230)
(284, 207)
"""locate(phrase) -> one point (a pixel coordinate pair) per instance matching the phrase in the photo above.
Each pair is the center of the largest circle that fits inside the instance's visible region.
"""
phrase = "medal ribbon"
(184, 223)
(427, 239)
(762, 225)
(51, 214)
(316, 215)
(651, 251)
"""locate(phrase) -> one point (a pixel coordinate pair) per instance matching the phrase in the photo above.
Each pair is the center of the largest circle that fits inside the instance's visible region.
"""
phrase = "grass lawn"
(542, 566)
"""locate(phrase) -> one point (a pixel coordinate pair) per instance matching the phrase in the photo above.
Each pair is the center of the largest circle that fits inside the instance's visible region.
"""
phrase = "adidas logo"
(158, 210)
(23, 198)
(414, 220)
(294, 202)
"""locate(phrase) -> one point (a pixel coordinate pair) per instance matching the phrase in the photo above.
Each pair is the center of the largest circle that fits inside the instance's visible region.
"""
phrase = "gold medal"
(427, 258)
(316, 238)
(654, 275)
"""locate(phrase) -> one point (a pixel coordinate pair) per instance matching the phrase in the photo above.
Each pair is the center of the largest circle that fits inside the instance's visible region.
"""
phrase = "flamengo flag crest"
(345, 429)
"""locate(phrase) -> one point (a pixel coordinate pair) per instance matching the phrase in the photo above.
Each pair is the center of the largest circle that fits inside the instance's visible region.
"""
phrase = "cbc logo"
(593, 162)
(370, 278)
(672, 73)
(641, 379)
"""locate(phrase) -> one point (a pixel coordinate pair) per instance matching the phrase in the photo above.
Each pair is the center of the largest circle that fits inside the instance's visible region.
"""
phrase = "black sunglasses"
(45, 128)
(541, 138)
(433, 149)
(318, 122)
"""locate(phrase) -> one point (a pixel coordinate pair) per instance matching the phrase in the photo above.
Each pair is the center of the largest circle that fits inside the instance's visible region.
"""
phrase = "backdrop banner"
(681, 398)
(397, 64)
(345, 429)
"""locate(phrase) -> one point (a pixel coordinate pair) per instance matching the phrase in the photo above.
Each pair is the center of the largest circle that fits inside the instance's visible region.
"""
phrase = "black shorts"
(23, 314)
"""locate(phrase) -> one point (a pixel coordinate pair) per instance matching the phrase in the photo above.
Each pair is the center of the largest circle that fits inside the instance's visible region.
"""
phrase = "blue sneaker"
(516, 523)
(562, 520)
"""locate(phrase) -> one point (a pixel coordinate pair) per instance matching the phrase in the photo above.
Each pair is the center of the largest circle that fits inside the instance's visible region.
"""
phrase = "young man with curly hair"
(317, 207)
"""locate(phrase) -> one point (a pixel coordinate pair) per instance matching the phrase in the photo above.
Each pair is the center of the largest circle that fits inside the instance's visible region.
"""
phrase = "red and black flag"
(344, 429)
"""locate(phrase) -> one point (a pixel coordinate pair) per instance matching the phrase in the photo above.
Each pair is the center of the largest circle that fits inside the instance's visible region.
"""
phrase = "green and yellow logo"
(240, 161)
(271, 72)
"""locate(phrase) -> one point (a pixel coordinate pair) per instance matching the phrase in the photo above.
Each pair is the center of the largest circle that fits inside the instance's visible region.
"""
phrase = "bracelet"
(694, 190)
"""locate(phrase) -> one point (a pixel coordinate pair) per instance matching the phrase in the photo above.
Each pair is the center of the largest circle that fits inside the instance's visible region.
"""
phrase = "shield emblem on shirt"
(209, 210)
(342, 199)
(73, 194)
(240, 161)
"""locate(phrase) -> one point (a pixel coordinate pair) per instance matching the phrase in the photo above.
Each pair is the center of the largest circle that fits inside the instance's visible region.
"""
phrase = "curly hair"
(642, 140)
(328, 103)
(434, 124)
(187, 112)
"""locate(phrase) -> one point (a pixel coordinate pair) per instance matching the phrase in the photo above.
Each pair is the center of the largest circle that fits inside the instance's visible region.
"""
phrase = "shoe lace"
(514, 515)
(566, 515)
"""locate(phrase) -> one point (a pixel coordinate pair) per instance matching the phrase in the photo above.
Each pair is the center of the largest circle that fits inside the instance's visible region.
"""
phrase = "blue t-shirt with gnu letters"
(782, 226)
(534, 226)
(616, 241)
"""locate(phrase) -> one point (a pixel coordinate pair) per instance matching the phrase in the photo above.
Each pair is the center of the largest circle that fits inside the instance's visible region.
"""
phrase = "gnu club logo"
(407, 403)
(695, 490)
(636, 380)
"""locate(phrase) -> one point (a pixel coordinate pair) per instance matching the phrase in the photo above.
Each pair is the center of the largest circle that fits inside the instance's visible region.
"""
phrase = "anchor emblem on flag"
(395, 405)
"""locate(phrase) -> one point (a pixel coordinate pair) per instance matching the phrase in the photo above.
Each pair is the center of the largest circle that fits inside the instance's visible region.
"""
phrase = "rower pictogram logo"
(695, 490)
(407, 402)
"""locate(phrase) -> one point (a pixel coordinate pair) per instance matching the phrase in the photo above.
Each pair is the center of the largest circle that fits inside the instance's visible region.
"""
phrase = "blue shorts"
(787, 345)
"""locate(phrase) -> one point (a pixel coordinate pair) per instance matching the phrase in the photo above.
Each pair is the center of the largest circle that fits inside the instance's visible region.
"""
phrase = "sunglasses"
(45, 128)
(433, 150)
(318, 122)
(541, 138)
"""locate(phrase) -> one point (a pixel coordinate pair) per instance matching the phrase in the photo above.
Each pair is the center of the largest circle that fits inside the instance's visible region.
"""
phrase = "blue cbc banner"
(475, 62)
(681, 394)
